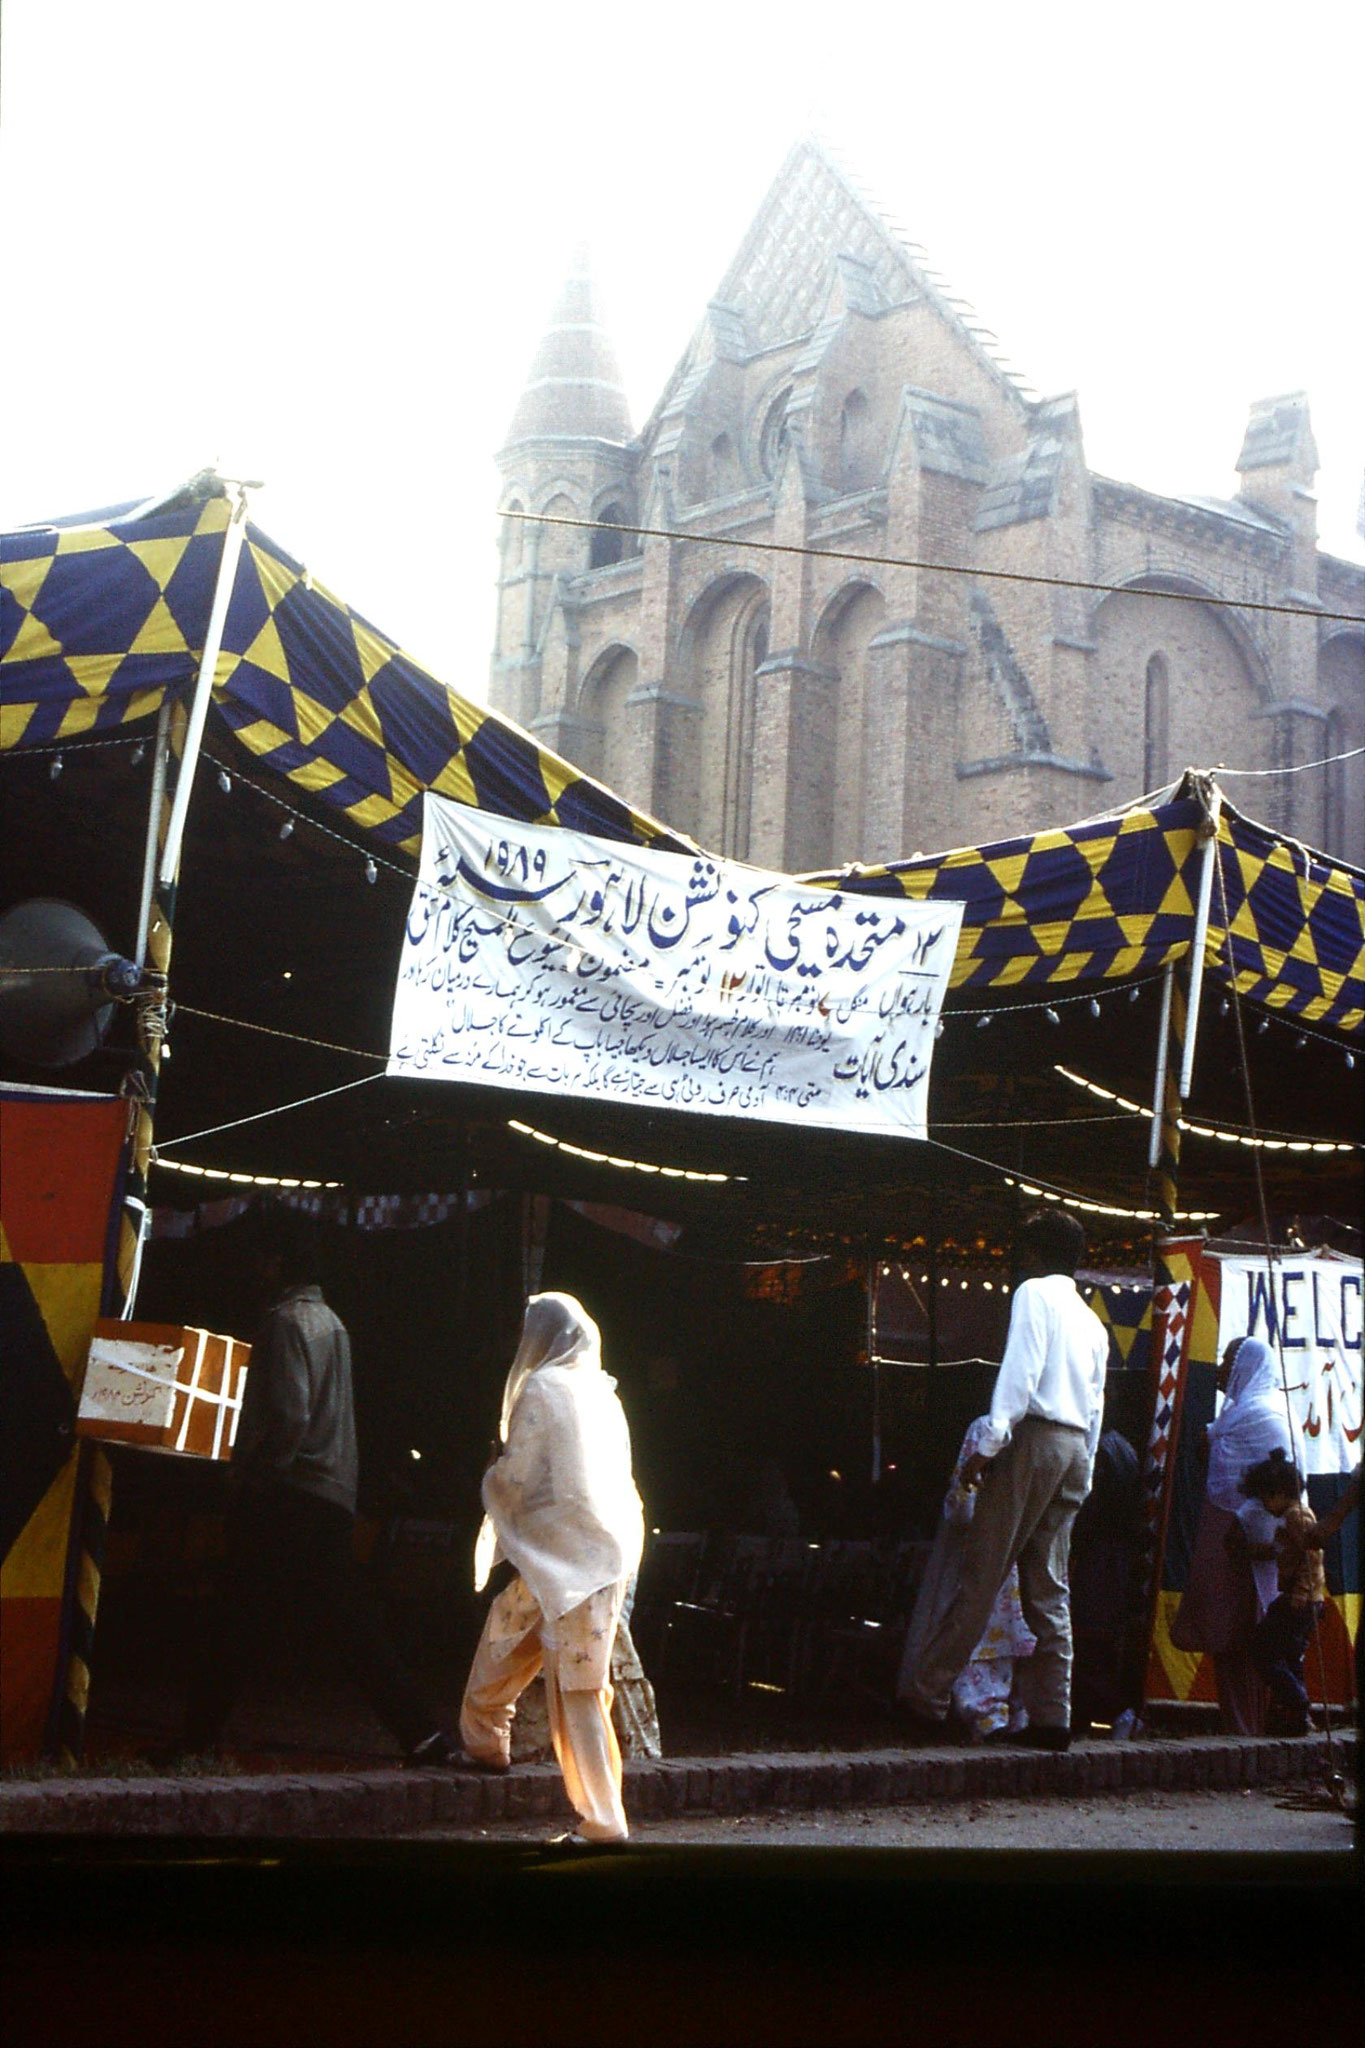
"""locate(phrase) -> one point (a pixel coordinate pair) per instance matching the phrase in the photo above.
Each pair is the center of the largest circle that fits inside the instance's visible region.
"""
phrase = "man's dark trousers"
(291, 1550)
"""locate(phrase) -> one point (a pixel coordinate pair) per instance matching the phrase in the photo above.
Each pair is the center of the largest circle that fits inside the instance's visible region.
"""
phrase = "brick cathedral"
(802, 710)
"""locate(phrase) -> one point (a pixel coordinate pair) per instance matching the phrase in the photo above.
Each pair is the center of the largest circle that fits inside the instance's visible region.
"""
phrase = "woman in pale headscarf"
(561, 1507)
(985, 1700)
(1227, 1594)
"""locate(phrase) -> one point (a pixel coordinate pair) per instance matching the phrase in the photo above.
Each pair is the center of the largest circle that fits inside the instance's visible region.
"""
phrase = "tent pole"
(171, 782)
(203, 690)
(144, 911)
(177, 749)
(1209, 833)
(1168, 1159)
(1159, 1085)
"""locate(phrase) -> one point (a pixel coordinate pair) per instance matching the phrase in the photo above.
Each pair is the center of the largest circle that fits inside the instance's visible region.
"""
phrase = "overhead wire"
(778, 547)
(259, 1116)
(273, 1031)
(1296, 767)
(1049, 1189)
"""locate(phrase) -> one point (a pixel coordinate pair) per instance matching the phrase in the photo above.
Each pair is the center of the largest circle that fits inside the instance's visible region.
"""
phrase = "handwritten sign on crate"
(166, 1387)
(539, 958)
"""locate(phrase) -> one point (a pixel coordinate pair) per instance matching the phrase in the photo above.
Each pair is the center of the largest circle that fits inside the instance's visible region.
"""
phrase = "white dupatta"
(560, 1502)
(1253, 1421)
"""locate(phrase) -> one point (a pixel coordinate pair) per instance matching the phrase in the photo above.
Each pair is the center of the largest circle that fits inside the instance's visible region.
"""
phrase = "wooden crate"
(165, 1387)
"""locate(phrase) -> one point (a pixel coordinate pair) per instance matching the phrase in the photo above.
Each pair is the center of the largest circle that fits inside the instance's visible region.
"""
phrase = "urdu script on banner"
(540, 959)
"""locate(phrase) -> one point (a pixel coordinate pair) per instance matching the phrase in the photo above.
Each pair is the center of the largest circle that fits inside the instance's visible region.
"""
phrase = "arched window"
(1156, 724)
(608, 543)
(750, 651)
(603, 744)
(559, 538)
(775, 433)
(854, 452)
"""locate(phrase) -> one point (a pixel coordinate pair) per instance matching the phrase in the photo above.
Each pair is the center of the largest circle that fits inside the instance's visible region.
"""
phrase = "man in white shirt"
(1033, 1470)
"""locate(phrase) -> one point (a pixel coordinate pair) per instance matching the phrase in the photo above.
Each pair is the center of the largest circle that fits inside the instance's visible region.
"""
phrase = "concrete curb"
(363, 1804)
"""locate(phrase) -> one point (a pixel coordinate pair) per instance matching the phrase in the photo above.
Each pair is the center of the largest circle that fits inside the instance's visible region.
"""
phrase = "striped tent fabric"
(1115, 897)
(98, 619)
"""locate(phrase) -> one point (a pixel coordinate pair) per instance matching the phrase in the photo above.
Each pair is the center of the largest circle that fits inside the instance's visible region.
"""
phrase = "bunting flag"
(60, 1168)
(98, 619)
(1126, 1313)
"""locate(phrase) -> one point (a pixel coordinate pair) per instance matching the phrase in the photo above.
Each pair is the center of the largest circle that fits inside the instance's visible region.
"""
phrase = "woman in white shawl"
(984, 1697)
(561, 1507)
(1226, 1594)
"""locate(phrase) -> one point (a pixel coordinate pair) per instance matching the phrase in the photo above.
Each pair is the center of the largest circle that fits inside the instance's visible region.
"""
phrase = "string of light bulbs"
(1051, 1005)
(1224, 1136)
(139, 743)
(611, 1159)
(255, 1180)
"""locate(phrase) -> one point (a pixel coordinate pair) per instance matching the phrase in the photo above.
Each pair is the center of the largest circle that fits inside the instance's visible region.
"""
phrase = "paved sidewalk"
(363, 1804)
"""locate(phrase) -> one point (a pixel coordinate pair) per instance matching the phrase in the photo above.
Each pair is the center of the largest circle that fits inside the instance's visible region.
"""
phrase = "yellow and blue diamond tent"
(104, 617)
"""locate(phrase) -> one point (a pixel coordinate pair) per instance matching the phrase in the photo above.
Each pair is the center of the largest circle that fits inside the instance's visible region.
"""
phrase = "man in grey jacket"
(293, 1479)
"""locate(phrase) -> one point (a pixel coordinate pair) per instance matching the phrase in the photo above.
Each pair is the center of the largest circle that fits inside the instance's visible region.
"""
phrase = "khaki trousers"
(1025, 1507)
(580, 1725)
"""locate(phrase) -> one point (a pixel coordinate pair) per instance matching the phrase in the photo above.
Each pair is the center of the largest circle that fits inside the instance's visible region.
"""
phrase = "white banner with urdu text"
(540, 959)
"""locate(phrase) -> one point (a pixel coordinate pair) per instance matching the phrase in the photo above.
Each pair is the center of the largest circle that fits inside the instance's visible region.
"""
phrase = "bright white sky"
(315, 242)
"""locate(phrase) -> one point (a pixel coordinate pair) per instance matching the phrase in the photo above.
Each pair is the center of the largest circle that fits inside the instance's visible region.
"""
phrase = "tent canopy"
(318, 712)
(102, 619)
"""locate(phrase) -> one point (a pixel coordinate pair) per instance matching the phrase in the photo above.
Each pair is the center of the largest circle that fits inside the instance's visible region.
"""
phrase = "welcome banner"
(541, 959)
(1308, 1311)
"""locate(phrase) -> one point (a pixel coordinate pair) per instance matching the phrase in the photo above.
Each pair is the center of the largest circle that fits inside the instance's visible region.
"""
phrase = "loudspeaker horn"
(58, 983)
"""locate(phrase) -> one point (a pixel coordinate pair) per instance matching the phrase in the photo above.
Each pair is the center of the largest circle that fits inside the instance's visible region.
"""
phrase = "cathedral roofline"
(808, 161)
(1225, 510)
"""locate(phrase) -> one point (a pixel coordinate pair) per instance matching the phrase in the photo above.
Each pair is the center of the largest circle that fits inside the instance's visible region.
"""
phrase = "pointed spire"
(575, 385)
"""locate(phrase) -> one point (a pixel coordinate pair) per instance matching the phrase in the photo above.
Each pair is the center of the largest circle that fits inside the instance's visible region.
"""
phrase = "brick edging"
(389, 1802)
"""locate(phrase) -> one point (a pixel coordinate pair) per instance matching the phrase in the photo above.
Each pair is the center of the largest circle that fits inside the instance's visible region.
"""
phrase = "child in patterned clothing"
(985, 1699)
(1274, 1489)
